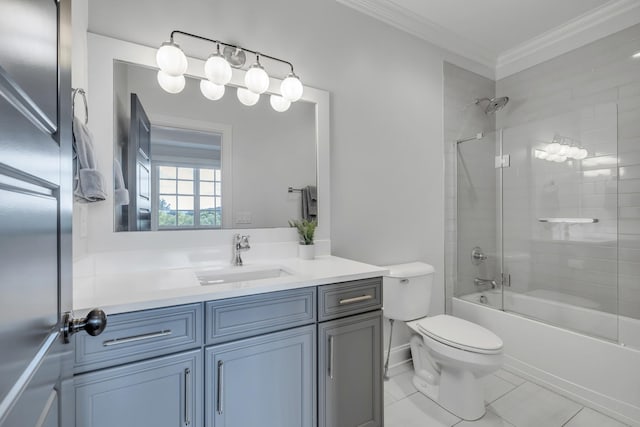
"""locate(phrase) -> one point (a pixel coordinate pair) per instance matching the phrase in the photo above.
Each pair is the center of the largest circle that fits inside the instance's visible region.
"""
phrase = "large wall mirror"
(181, 162)
(189, 163)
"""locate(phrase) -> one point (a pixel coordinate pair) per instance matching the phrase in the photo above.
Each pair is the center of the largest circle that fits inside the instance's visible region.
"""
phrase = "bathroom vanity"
(309, 355)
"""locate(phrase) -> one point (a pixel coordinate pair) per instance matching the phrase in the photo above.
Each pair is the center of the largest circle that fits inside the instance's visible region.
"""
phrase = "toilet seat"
(459, 333)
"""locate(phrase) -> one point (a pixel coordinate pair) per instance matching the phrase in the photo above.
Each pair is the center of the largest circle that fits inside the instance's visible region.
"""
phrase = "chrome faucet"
(486, 283)
(240, 244)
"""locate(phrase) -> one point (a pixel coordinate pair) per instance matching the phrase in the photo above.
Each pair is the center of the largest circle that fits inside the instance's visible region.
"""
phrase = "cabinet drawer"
(140, 335)
(243, 317)
(347, 298)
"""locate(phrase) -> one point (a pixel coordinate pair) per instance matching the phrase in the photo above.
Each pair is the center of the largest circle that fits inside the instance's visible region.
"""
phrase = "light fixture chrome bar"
(219, 42)
(477, 136)
(569, 220)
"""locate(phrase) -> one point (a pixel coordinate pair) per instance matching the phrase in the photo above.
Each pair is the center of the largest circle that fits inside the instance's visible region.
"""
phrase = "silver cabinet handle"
(134, 338)
(331, 356)
(187, 396)
(220, 402)
(355, 299)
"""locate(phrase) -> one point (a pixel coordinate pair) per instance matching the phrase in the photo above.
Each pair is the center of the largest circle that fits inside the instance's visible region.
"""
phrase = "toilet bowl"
(450, 355)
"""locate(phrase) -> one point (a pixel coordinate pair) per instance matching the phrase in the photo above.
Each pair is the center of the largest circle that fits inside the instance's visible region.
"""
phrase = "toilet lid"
(460, 333)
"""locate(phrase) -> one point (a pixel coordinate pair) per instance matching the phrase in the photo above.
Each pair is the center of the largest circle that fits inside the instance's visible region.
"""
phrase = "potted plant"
(306, 230)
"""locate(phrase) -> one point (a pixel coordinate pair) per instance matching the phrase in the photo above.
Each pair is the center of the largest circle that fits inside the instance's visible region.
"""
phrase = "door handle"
(118, 341)
(94, 324)
(355, 299)
(220, 388)
(187, 396)
(331, 357)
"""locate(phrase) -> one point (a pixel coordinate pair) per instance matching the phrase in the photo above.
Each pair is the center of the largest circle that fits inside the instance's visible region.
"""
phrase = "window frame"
(155, 194)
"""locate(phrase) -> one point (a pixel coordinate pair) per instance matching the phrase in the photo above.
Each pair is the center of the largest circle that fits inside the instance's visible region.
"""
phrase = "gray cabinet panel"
(344, 299)
(266, 381)
(141, 335)
(242, 317)
(350, 371)
(163, 392)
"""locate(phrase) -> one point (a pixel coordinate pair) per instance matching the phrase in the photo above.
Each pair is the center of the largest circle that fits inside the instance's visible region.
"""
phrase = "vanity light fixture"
(218, 70)
(246, 97)
(279, 104)
(171, 84)
(257, 79)
(211, 91)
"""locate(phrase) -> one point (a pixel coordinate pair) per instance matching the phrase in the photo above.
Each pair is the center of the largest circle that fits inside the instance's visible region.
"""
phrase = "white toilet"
(449, 354)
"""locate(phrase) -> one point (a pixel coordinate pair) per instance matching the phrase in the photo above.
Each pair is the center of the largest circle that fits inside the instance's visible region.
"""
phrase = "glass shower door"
(478, 200)
(559, 220)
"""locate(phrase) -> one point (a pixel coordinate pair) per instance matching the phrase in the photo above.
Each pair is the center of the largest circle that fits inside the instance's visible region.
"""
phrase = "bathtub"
(547, 306)
(599, 370)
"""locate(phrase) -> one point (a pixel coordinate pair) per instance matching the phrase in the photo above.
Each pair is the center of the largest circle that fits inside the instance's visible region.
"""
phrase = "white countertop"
(141, 290)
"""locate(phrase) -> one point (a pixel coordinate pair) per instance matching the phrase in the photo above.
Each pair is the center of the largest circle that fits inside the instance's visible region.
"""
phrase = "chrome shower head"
(495, 104)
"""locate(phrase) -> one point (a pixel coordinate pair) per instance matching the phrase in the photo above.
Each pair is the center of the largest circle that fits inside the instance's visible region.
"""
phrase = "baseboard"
(587, 397)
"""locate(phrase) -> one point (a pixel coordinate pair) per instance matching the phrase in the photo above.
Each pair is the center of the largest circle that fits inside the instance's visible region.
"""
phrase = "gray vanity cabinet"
(350, 354)
(162, 392)
(265, 381)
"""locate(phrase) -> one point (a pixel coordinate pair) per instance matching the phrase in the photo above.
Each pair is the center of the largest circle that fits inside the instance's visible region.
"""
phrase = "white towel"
(120, 193)
(89, 182)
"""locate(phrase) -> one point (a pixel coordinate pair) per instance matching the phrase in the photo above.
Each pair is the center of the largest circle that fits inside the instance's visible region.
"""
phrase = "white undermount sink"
(239, 274)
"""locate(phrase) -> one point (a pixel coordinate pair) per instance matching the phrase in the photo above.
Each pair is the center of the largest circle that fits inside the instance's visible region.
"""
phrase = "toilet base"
(459, 396)
(451, 385)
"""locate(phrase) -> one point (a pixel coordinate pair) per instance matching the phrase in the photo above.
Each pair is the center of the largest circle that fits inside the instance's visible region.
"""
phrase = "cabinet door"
(265, 381)
(163, 392)
(350, 371)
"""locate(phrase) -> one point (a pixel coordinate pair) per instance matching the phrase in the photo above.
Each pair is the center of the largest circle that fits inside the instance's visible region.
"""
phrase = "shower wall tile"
(596, 74)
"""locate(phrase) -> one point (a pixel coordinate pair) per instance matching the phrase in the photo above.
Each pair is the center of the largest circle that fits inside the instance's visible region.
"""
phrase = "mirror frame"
(98, 219)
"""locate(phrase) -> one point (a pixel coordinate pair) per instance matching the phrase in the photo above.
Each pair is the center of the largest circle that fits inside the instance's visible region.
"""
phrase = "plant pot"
(306, 251)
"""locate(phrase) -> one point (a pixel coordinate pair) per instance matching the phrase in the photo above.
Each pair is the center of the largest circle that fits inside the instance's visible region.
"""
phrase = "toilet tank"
(406, 291)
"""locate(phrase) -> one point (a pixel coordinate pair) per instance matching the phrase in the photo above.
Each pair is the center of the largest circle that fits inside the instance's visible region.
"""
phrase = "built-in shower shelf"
(569, 220)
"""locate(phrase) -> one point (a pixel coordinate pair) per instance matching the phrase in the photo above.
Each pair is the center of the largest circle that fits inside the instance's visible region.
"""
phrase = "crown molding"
(405, 20)
(589, 27)
(614, 16)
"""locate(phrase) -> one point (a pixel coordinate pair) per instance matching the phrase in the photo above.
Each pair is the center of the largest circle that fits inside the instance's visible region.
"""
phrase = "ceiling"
(499, 25)
(505, 35)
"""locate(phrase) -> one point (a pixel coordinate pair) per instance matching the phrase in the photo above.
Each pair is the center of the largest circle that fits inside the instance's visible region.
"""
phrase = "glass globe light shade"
(541, 154)
(291, 88)
(552, 157)
(171, 59)
(171, 84)
(257, 79)
(553, 148)
(560, 159)
(279, 103)
(246, 97)
(573, 152)
(217, 70)
(582, 154)
(564, 150)
(210, 90)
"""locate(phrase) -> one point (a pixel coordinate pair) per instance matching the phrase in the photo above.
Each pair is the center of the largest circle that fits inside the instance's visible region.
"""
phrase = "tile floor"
(511, 402)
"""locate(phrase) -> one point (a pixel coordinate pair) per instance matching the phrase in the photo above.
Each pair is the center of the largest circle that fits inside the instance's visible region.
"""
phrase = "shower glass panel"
(478, 203)
(559, 221)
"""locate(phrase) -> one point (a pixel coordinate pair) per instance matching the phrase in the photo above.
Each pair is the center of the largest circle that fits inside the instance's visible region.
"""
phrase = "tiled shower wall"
(463, 119)
(602, 72)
